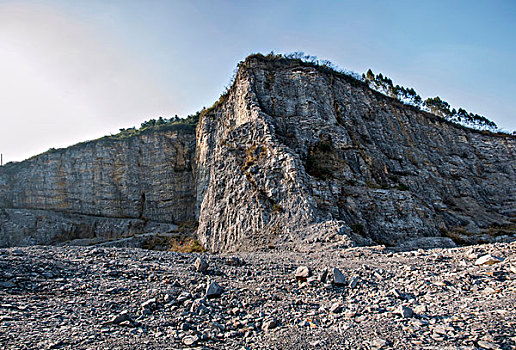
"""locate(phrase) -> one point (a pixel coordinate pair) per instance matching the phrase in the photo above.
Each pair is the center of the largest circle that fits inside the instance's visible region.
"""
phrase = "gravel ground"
(100, 298)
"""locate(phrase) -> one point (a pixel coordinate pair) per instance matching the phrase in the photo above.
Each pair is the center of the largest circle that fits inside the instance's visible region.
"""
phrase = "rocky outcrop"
(299, 153)
(292, 153)
(107, 188)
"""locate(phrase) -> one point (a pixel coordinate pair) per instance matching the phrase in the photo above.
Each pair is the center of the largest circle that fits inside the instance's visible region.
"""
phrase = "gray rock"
(235, 261)
(269, 324)
(184, 296)
(7, 284)
(323, 275)
(121, 317)
(190, 340)
(302, 273)
(353, 282)
(201, 265)
(379, 343)
(488, 345)
(405, 311)
(488, 259)
(149, 304)
(213, 290)
(167, 298)
(336, 308)
(338, 277)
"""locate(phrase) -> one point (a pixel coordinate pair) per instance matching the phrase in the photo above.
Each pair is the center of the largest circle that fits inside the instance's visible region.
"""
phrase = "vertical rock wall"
(296, 153)
(148, 177)
(291, 154)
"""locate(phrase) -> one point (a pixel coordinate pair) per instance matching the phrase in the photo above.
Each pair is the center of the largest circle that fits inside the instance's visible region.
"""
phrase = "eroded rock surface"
(105, 189)
(291, 154)
(297, 153)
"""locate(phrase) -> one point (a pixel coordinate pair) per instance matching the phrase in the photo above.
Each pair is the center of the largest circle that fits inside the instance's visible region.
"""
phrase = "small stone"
(121, 317)
(353, 282)
(338, 277)
(405, 311)
(488, 259)
(312, 281)
(421, 309)
(270, 323)
(167, 298)
(149, 304)
(126, 323)
(323, 275)
(190, 340)
(235, 261)
(336, 308)
(184, 296)
(302, 273)
(397, 293)
(7, 284)
(488, 345)
(379, 343)
(213, 290)
(18, 252)
(201, 265)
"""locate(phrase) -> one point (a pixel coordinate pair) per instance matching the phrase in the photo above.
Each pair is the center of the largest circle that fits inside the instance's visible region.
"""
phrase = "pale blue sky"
(77, 70)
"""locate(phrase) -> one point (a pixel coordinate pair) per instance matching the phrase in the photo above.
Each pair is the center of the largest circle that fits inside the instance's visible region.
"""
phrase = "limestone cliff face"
(147, 177)
(292, 153)
(297, 153)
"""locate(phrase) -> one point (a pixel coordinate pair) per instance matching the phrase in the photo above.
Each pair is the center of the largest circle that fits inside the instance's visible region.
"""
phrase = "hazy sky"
(77, 70)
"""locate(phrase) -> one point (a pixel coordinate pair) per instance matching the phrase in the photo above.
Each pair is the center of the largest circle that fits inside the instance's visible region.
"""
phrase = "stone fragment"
(213, 290)
(121, 317)
(397, 293)
(405, 311)
(353, 282)
(235, 261)
(302, 273)
(184, 296)
(190, 340)
(149, 304)
(323, 275)
(167, 298)
(336, 308)
(421, 309)
(338, 277)
(311, 281)
(488, 345)
(269, 324)
(201, 265)
(488, 259)
(7, 284)
(379, 343)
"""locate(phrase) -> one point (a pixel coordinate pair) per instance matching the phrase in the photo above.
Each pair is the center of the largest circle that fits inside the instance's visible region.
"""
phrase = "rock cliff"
(109, 188)
(291, 153)
(296, 152)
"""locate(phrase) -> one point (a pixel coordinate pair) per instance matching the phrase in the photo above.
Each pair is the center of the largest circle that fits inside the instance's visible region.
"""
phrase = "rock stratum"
(291, 153)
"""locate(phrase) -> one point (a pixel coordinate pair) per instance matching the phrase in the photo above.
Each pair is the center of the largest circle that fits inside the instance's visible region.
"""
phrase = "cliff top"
(273, 61)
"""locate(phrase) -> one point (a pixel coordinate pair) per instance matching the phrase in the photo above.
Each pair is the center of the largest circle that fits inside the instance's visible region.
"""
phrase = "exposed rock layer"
(108, 188)
(291, 153)
(293, 147)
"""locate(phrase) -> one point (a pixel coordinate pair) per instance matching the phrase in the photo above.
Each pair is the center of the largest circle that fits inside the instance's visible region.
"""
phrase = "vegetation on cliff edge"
(385, 86)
